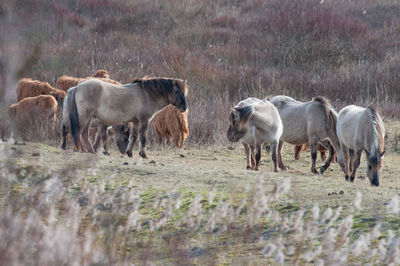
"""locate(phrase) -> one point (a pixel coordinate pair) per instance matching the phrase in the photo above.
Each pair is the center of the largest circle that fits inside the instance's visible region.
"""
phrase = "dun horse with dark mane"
(313, 122)
(361, 129)
(114, 104)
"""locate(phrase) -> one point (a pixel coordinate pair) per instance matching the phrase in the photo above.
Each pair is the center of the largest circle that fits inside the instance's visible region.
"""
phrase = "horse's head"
(178, 95)
(374, 165)
(121, 135)
(238, 118)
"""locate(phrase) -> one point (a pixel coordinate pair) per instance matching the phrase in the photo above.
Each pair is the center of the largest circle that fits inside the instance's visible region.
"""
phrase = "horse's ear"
(367, 152)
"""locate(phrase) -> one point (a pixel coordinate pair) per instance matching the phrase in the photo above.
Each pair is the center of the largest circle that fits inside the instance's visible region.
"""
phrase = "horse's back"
(266, 116)
(249, 101)
(292, 114)
(353, 126)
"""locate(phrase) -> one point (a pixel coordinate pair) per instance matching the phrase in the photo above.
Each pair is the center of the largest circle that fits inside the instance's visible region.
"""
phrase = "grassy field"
(191, 206)
(199, 205)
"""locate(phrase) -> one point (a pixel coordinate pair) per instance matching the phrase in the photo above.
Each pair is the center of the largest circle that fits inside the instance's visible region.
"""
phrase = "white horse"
(313, 122)
(360, 129)
(255, 122)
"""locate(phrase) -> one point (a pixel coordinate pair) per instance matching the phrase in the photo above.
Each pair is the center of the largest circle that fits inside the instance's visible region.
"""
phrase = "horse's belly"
(111, 116)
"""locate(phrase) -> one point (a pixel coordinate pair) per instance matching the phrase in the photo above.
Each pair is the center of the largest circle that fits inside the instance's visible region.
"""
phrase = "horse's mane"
(377, 141)
(160, 87)
(330, 113)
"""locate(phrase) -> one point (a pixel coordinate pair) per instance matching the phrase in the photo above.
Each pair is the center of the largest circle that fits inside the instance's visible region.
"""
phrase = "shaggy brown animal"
(66, 82)
(306, 147)
(101, 74)
(34, 111)
(171, 123)
(27, 87)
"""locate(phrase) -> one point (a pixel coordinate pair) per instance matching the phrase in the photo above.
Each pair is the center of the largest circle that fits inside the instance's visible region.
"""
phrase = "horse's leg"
(280, 163)
(142, 135)
(64, 134)
(314, 151)
(85, 137)
(297, 150)
(248, 155)
(346, 158)
(132, 139)
(356, 164)
(97, 138)
(104, 136)
(274, 148)
(322, 150)
(351, 154)
(328, 162)
(253, 158)
(258, 150)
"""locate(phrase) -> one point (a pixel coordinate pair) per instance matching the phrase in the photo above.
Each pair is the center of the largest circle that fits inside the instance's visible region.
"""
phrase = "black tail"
(73, 115)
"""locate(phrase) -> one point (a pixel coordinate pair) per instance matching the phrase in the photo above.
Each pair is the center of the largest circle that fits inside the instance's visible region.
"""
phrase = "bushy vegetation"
(227, 50)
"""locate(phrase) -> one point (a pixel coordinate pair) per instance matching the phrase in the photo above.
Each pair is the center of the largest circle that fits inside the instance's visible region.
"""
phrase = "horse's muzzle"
(183, 108)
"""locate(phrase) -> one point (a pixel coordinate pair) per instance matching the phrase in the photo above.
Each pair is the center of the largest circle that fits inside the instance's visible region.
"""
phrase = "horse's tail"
(331, 116)
(73, 115)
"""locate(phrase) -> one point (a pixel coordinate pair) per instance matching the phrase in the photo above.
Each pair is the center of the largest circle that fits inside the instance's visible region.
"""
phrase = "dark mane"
(160, 87)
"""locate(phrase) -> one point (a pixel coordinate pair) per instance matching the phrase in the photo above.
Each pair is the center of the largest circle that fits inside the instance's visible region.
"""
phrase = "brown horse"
(114, 104)
(305, 147)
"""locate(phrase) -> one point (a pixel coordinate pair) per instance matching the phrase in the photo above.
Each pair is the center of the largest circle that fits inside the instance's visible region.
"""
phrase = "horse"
(114, 104)
(361, 129)
(255, 122)
(313, 122)
(304, 147)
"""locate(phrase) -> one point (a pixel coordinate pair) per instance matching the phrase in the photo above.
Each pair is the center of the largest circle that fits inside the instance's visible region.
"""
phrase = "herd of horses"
(39, 110)
(256, 123)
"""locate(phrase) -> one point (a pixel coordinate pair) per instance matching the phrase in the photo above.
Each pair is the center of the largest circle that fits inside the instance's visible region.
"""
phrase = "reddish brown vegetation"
(227, 50)
(170, 123)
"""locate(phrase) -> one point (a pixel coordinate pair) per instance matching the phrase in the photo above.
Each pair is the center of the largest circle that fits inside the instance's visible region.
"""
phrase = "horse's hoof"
(129, 153)
(143, 155)
(106, 153)
(315, 172)
(322, 170)
(256, 169)
(346, 178)
(249, 168)
(276, 171)
(352, 179)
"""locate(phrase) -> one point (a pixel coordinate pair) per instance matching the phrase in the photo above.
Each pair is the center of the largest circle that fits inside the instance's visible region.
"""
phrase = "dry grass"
(187, 206)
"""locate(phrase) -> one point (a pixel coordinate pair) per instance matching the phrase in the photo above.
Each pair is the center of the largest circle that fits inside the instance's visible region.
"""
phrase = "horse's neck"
(159, 104)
